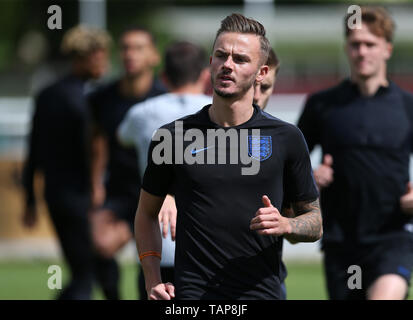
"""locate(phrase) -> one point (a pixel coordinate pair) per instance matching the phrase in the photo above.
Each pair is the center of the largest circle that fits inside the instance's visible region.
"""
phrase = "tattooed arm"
(306, 226)
(302, 223)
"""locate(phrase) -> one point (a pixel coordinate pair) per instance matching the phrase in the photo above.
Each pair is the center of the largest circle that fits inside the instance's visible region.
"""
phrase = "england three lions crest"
(260, 147)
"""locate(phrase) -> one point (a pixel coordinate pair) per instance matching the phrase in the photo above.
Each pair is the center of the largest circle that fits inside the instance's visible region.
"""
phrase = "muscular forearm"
(307, 225)
(305, 228)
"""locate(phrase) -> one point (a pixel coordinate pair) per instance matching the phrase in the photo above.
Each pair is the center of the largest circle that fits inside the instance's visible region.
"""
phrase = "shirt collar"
(381, 90)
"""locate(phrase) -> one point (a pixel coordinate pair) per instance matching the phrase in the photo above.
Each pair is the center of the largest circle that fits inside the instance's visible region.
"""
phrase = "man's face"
(235, 64)
(96, 63)
(264, 89)
(367, 52)
(138, 52)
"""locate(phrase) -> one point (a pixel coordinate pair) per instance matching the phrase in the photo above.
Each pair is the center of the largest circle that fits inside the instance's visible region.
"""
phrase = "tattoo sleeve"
(306, 226)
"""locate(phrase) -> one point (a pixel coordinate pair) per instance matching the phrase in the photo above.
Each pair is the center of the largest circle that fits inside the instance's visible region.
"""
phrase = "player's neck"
(369, 86)
(231, 112)
(137, 85)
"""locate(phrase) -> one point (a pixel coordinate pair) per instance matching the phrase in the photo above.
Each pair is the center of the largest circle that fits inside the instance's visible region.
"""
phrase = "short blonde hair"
(81, 40)
(273, 62)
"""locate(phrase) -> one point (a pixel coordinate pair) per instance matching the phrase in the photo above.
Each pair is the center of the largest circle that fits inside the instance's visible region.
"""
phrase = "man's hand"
(269, 221)
(162, 291)
(323, 175)
(406, 201)
(109, 234)
(167, 216)
(30, 216)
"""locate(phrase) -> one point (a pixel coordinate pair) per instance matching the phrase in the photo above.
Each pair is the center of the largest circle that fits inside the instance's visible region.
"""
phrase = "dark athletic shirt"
(59, 140)
(217, 256)
(109, 107)
(370, 140)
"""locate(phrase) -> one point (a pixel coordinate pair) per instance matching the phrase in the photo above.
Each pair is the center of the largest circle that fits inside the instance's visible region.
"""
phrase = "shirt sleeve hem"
(153, 192)
(305, 198)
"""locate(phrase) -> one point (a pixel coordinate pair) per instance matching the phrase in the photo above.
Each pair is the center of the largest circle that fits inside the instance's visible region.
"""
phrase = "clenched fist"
(269, 221)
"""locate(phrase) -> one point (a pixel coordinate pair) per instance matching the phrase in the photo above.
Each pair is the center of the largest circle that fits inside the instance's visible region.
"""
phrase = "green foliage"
(10, 15)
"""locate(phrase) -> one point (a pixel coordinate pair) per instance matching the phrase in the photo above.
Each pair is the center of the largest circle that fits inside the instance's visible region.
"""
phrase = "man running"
(229, 219)
(364, 126)
(116, 178)
(59, 146)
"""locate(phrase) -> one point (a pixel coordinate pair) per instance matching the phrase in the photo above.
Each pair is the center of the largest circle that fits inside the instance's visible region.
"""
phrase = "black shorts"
(393, 255)
(124, 207)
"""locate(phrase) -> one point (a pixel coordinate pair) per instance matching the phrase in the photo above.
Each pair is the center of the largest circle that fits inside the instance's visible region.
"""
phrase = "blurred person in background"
(186, 75)
(115, 173)
(364, 126)
(264, 89)
(59, 148)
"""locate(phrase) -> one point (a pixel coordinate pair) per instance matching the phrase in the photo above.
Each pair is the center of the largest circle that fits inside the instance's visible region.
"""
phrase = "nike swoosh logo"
(194, 151)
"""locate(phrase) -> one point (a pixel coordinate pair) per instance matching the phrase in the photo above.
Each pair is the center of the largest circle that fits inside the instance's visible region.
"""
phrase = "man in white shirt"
(186, 76)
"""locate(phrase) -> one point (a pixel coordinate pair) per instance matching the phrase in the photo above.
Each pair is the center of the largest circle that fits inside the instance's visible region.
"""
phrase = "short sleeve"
(299, 183)
(308, 123)
(158, 178)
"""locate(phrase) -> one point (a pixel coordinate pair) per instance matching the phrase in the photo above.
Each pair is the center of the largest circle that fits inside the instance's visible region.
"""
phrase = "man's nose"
(228, 63)
(362, 49)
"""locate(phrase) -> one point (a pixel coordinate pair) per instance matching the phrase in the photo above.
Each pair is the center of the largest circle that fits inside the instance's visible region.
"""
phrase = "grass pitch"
(23, 280)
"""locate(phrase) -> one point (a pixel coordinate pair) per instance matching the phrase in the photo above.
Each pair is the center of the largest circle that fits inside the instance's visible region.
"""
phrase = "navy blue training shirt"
(217, 255)
(59, 140)
(370, 140)
(109, 107)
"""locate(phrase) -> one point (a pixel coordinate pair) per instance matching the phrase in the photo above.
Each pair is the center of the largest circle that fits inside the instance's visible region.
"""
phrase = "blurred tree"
(20, 17)
(10, 14)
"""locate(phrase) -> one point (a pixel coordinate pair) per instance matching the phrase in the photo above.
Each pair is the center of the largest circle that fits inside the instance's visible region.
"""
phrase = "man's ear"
(389, 50)
(262, 72)
(155, 58)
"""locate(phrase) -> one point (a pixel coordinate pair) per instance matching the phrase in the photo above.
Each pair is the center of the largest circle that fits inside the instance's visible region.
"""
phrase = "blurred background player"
(186, 75)
(364, 126)
(116, 178)
(59, 147)
(264, 89)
